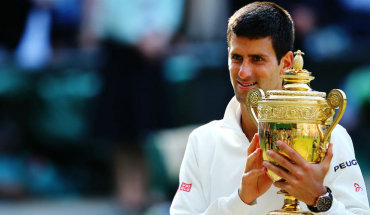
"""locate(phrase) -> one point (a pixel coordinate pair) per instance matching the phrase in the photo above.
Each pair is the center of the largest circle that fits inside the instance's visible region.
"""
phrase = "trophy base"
(280, 212)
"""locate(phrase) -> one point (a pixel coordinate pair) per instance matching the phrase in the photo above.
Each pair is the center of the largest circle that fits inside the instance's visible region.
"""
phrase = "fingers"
(254, 144)
(253, 160)
(329, 155)
(278, 170)
(255, 172)
(281, 160)
(292, 154)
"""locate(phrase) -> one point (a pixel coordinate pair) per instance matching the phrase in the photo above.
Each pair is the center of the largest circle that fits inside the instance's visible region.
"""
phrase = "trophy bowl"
(298, 116)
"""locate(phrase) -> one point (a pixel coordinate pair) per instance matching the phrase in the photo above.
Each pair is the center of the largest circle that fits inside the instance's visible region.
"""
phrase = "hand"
(255, 180)
(303, 180)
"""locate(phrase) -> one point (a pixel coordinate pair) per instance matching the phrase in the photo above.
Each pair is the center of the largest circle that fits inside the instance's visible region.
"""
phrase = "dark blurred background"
(97, 97)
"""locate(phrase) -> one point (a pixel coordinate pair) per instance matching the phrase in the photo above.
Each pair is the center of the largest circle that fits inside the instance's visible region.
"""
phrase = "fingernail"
(279, 143)
(269, 152)
(265, 163)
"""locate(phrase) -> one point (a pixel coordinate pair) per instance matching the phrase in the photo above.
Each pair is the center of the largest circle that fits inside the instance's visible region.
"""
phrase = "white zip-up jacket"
(214, 163)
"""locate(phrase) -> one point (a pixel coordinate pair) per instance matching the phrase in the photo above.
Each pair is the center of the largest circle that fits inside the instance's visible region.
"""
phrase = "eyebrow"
(257, 55)
(250, 55)
(235, 52)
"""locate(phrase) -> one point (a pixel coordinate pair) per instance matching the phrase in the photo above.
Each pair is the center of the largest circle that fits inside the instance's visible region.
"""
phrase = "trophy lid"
(296, 84)
(297, 78)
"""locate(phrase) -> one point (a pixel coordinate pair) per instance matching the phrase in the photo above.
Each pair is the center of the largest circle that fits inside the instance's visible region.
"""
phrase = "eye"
(237, 57)
(257, 58)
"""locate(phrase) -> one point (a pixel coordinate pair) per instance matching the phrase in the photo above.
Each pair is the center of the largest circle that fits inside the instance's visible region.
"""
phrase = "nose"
(245, 71)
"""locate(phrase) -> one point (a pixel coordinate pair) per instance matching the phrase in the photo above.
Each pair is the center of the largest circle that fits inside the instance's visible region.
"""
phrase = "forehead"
(245, 45)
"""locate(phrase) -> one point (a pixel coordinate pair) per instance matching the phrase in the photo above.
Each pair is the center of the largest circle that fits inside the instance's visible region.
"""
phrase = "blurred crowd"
(97, 97)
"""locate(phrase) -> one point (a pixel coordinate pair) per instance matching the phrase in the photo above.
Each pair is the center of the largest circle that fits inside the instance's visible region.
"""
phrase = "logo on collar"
(345, 164)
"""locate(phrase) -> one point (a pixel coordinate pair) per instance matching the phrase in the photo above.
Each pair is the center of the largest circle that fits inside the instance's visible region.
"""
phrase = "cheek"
(268, 77)
(233, 70)
(276, 80)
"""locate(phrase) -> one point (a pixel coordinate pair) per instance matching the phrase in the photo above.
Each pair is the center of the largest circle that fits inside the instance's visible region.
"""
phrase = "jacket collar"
(232, 116)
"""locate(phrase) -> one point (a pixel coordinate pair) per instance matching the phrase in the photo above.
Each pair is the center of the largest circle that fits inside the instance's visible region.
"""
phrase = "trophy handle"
(336, 99)
(254, 95)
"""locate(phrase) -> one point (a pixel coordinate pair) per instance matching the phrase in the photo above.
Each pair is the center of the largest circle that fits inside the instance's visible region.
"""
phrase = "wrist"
(314, 200)
(247, 200)
(323, 203)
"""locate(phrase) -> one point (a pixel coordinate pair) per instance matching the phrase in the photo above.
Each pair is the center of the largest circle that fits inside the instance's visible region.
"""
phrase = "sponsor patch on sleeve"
(185, 187)
(345, 164)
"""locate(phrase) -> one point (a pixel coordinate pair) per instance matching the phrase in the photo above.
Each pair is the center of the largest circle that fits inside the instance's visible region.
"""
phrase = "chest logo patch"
(185, 187)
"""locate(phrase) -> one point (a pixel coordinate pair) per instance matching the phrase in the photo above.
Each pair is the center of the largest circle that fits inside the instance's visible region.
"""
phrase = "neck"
(248, 127)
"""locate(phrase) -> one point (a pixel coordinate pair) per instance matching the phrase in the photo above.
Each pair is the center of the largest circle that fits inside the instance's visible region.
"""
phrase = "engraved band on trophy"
(297, 115)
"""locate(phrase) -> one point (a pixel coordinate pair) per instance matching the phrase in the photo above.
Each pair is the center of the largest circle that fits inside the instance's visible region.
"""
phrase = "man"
(218, 177)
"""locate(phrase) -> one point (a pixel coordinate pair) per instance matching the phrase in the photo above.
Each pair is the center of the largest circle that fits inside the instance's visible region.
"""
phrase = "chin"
(241, 98)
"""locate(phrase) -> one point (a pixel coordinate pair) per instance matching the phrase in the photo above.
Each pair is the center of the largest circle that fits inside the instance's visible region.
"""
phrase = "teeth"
(247, 85)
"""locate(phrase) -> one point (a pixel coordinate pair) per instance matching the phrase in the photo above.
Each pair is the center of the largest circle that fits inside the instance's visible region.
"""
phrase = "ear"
(286, 61)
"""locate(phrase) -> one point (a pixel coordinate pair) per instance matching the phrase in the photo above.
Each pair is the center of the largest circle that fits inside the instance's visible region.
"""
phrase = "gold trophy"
(297, 115)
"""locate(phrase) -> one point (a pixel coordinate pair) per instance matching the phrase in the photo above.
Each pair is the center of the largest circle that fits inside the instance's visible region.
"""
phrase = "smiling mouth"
(247, 85)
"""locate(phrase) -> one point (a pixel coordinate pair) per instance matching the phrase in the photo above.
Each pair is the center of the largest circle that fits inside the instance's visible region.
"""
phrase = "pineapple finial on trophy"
(298, 60)
(297, 78)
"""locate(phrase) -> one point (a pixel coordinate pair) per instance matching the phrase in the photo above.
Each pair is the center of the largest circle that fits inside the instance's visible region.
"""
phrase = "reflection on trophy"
(297, 115)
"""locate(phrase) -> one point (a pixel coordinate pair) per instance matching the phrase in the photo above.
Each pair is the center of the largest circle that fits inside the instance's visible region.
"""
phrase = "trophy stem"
(291, 206)
(290, 202)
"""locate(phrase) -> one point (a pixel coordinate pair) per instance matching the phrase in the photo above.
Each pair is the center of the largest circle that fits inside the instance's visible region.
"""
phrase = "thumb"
(252, 160)
(254, 144)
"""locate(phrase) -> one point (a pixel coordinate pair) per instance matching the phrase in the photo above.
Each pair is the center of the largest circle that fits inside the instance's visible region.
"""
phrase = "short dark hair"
(262, 19)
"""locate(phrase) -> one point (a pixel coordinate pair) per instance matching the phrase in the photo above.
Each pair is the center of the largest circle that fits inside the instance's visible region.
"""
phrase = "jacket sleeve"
(191, 198)
(345, 178)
